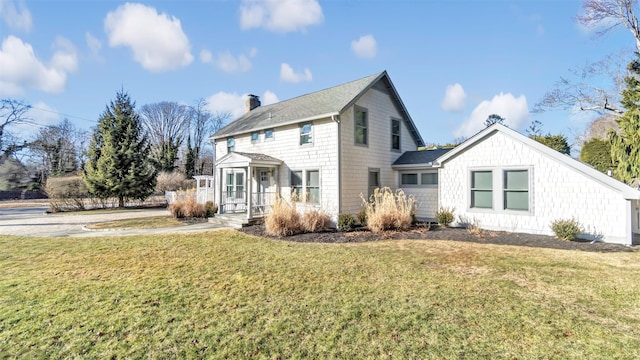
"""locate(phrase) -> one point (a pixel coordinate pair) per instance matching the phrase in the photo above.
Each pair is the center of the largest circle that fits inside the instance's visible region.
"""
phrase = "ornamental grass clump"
(315, 221)
(388, 210)
(187, 206)
(283, 219)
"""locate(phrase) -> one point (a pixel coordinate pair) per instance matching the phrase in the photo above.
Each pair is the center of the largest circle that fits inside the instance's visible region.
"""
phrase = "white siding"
(322, 155)
(556, 191)
(358, 159)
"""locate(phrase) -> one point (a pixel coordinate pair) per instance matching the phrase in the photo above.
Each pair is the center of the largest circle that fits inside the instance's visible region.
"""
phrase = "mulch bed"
(444, 233)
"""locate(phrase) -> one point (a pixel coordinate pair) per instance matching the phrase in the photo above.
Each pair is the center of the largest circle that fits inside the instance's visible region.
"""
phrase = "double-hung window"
(395, 134)
(231, 144)
(313, 186)
(306, 137)
(305, 186)
(361, 127)
(296, 185)
(482, 189)
(516, 190)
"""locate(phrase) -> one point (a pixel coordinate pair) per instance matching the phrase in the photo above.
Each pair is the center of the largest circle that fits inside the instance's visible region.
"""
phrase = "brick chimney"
(253, 101)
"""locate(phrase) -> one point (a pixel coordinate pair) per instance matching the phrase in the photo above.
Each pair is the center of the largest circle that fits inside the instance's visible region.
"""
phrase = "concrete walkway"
(35, 222)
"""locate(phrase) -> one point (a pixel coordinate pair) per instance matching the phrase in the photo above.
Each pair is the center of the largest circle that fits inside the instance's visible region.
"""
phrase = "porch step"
(232, 221)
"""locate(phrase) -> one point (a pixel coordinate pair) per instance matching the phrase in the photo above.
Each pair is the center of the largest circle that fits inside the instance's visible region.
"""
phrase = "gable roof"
(421, 158)
(243, 159)
(626, 191)
(317, 105)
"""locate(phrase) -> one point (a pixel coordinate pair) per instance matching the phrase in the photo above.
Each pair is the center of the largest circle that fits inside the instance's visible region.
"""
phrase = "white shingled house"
(328, 147)
(325, 147)
(503, 180)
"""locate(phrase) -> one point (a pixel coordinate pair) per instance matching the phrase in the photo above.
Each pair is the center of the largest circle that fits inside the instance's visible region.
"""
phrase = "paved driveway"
(33, 221)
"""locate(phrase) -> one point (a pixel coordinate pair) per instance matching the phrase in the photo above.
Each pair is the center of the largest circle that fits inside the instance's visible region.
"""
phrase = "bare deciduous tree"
(203, 123)
(57, 149)
(12, 112)
(606, 15)
(165, 124)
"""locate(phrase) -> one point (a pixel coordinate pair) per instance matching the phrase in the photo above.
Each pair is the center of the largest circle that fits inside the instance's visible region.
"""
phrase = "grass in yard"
(228, 295)
(139, 223)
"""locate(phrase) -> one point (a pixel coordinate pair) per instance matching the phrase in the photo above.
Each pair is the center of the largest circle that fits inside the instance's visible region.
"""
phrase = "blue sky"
(452, 62)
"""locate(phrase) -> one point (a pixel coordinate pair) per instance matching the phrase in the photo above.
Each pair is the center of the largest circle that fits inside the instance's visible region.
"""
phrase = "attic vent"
(253, 101)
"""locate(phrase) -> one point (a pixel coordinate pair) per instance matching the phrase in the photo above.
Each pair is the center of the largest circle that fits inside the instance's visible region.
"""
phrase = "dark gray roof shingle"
(423, 157)
(318, 104)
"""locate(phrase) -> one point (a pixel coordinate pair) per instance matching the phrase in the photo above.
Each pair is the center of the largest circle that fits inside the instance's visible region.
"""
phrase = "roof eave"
(310, 118)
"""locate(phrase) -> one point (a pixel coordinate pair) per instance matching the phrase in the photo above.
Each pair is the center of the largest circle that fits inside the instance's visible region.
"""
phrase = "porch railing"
(236, 201)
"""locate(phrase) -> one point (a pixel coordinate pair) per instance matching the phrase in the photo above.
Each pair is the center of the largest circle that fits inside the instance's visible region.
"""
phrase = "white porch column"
(218, 192)
(249, 191)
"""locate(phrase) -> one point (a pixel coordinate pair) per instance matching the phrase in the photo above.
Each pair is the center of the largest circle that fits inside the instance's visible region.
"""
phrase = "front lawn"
(228, 295)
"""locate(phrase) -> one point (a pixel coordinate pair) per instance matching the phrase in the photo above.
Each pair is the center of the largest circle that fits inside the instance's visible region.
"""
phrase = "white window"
(482, 189)
(305, 186)
(306, 136)
(231, 144)
(313, 186)
(255, 136)
(235, 185)
(516, 190)
(268, 134)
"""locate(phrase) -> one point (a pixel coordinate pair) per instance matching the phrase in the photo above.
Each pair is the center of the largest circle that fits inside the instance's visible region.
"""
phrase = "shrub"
(283, 219)
(172, 181)
(362, 217)
(345, 222)
(387, 210)
(315, 221)
(566, 229)
(444, 216)
(66, 193)
(187, 207)
(210, 208)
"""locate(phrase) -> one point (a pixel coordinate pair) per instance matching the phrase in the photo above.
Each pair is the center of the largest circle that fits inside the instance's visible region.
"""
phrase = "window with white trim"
(296, 185)
(268, 134)
(313, 187)
(482, 189)
(516, 190)
(231, 144)
(306, 137)
(255, 136)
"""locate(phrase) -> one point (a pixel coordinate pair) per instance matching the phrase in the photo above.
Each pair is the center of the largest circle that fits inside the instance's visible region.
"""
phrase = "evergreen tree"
(118, 162)
(190, 161)
(494, 118)
(597, 153)
(556, 142)
(625, 145)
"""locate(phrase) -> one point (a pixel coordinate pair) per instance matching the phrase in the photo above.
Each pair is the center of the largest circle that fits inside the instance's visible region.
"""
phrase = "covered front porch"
(248, 183)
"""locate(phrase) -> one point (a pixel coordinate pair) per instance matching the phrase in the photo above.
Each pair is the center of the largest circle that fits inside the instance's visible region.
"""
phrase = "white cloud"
(94, 44)
(514, 110)
(280, 15)
(233, 103)
(16, 18)
(268, 98)
(454, 98)
(226, 62)
(21, 68)
(365, 47)
(157, 40)
(288, 75)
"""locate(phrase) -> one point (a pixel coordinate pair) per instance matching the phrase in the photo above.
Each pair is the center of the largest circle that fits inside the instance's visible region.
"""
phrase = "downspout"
(336, 118)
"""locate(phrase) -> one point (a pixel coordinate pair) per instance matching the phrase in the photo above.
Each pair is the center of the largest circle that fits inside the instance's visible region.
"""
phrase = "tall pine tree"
(625, 145)
(118, 163)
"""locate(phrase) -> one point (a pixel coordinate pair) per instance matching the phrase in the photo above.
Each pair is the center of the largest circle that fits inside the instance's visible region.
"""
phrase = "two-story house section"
(321, 150)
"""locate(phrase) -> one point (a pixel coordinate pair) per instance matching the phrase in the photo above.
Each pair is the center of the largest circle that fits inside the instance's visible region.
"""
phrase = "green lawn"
(227, 295)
